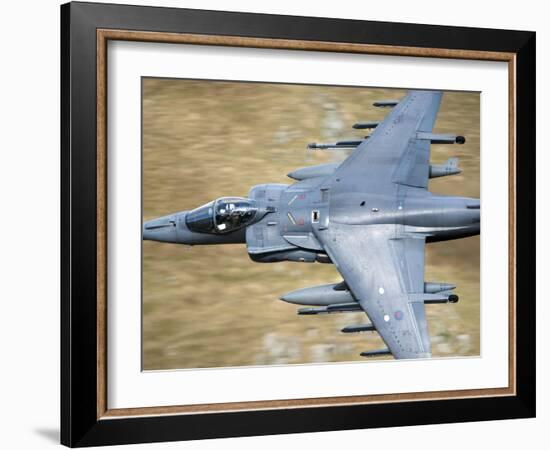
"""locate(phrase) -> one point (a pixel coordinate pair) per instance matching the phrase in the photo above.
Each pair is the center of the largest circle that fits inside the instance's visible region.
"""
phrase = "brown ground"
(212, 306)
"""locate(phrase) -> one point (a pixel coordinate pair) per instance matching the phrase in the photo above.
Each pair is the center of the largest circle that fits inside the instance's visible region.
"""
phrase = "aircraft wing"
(398, 150)
(384, 270)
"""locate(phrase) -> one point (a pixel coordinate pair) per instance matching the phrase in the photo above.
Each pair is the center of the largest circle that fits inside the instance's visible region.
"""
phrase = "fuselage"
(278, 222)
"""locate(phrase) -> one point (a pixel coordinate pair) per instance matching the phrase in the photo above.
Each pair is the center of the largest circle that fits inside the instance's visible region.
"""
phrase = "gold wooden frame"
(103, 36)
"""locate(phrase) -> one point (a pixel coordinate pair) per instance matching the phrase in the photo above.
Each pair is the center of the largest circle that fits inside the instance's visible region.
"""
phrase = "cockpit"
(223, 215)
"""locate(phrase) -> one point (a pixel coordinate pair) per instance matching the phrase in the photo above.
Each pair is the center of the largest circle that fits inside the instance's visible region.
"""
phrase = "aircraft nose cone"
(162, 229)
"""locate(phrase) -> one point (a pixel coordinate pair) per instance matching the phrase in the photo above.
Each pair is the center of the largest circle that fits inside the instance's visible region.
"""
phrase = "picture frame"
(86, 418)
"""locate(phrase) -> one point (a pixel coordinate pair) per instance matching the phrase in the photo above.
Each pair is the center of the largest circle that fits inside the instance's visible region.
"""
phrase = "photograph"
(300, 224)
(278, 223)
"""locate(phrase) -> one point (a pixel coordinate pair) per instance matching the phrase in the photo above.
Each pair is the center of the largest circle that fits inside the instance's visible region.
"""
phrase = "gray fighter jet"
(370, 215)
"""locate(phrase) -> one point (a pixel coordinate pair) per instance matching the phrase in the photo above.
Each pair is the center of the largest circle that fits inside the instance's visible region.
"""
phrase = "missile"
(372, 353)
(316, 146)
(440, 297)
(330, 309)
(365, 125)
(460, 140)
(350, 143)
(334, 294)
(337, 145)
(323, 295)
(441, 138)
(385, 103)
(434, 288)
(453, 298)
(358, 328)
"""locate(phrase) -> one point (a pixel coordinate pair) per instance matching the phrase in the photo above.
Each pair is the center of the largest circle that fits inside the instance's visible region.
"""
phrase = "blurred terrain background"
(211, 306)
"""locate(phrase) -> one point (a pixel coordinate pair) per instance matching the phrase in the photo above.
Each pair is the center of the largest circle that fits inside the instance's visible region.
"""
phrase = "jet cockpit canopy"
(223, 215)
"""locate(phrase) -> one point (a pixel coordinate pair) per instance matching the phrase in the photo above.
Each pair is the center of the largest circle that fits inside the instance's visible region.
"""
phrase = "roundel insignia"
(398, 315)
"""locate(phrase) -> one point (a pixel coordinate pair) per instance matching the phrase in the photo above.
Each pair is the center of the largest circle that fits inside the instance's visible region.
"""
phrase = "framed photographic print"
(276, 224)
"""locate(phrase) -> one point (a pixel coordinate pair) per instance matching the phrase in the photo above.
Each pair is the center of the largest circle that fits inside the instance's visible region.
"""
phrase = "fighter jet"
(370, 215)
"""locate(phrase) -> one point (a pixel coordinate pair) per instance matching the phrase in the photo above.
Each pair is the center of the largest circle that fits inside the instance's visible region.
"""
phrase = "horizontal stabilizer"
(358, 328)
(372, 353)
(321, 170)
